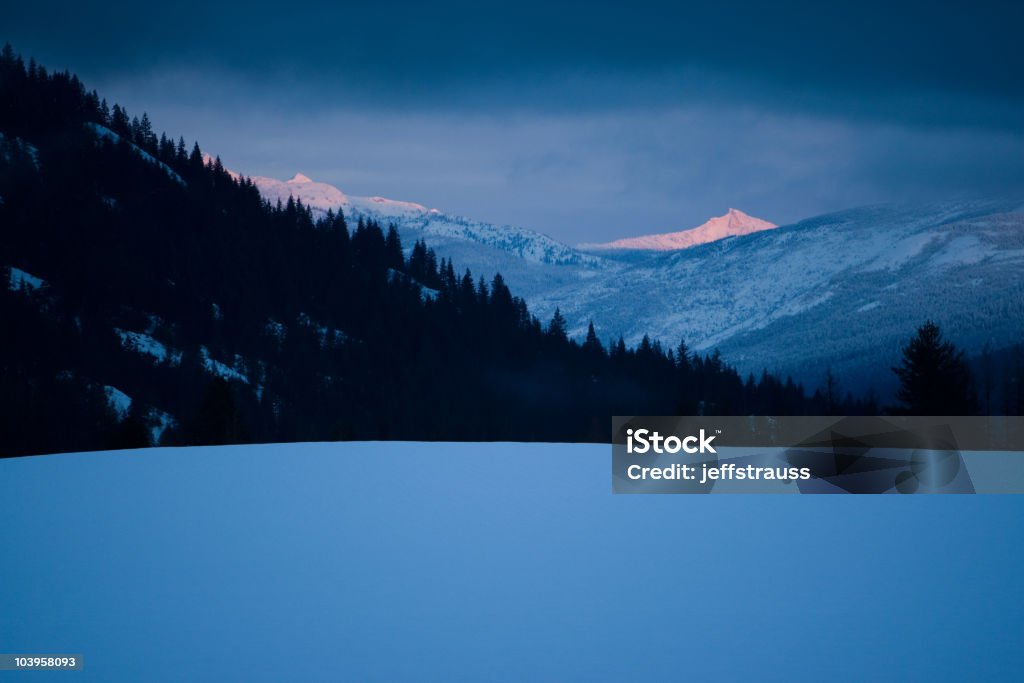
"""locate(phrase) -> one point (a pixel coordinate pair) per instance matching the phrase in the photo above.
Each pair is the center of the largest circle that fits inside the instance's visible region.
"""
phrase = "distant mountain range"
(430, 224)
(840, 291)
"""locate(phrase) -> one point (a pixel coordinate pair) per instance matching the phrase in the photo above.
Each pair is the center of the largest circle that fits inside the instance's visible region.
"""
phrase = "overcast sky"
(586, 120)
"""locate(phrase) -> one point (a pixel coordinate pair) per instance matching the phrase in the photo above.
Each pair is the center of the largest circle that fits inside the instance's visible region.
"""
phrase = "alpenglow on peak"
(733, 223)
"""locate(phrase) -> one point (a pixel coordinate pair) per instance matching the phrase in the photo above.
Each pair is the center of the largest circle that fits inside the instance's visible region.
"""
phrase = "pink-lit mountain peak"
(732, 224)
(324, 196)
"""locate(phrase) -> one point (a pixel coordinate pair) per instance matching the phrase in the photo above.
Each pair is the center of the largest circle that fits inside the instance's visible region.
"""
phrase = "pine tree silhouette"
(592, 344)
(132, 432)
(218, 421)
(935, 378)
(556, 328)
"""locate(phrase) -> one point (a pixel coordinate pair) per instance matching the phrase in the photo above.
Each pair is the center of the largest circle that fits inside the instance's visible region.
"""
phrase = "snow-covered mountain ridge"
(733, 224)
(419, 222)
(842, 290)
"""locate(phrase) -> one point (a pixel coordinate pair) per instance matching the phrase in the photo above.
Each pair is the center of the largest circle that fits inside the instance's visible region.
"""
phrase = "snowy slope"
(494, 562)
(418, 222)
(732, 224)
(844, 289)
(105, 133)
(19, 279)
(317, 195)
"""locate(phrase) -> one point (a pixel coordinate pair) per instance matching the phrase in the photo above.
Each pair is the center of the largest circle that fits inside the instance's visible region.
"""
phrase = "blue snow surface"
(488, 562)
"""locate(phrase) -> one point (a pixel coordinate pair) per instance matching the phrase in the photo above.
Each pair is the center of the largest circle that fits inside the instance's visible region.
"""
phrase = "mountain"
(418, 222)
(843, 290)
(536, 262)
(733, 224)
(840, 291)
(322, 196)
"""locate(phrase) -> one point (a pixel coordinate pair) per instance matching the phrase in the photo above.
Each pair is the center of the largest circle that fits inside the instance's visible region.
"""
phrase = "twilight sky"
(586, 120)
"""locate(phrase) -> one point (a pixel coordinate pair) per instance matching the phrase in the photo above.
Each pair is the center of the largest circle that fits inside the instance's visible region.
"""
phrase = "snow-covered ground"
(19, 280)
(103, 132)
(223, 370)
(120, 402)
(146, 345)
(413, 561)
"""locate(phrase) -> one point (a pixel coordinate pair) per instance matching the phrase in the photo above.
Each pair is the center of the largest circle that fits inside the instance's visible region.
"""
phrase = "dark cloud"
(960, 46)
(585, 119)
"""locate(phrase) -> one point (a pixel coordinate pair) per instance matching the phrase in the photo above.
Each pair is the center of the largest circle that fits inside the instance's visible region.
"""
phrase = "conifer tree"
(195, 159)
(393, 249)
(592, 343)
(119, 121)
(146, 136)
(557, 326)
(218, 420)
(935, 378)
